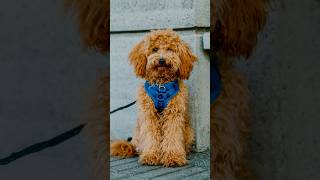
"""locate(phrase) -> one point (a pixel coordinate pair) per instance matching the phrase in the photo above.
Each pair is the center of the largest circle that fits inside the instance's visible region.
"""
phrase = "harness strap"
(216, 85)
(161, 94)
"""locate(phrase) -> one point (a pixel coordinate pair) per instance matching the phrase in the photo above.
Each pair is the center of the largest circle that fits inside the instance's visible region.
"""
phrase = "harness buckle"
(162, 88)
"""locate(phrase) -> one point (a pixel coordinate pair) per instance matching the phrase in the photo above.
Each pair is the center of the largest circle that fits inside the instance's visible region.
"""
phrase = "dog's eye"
(170, 49)
(154, 49)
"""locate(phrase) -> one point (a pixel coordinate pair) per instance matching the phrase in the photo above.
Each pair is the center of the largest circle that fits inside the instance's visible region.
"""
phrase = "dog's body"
(163, 137)
(230, 121)
(93, 24)
(236, 24)
(160, 138)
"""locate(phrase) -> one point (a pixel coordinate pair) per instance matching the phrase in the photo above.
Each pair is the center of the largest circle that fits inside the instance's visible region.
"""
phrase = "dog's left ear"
(237, 24)
(187, 59)
(138, 59)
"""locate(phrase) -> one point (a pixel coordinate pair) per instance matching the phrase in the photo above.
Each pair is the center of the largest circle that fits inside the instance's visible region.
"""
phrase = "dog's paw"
(149, 158)
(173, 159)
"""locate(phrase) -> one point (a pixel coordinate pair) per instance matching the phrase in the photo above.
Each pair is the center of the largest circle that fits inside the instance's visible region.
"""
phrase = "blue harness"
(215, 87)
(161, 94)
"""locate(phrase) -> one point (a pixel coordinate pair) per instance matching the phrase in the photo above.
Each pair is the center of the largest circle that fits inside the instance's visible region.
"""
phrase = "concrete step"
(197, 168)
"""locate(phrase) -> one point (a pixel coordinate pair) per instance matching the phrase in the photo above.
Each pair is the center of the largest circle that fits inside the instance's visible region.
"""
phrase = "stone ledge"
(134, 15)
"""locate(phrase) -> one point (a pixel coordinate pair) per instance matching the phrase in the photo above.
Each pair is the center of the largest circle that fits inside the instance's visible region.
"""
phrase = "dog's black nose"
(161, 61)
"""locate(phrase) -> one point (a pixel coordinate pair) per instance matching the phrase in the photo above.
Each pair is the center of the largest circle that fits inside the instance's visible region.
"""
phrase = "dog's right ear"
(138, 59)
(93, 22)
(187, 59)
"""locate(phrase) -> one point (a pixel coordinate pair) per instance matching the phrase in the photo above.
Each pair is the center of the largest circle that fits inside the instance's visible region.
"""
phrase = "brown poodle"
(236, 24)
(163, 134)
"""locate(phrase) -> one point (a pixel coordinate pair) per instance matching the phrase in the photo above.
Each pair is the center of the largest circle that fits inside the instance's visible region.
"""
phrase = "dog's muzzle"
(161, 60)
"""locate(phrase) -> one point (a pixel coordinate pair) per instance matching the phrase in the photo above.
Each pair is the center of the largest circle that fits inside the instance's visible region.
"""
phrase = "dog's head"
(162, 55)
(236, 24)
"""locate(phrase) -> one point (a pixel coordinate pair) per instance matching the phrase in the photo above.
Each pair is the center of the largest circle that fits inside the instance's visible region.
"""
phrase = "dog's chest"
(161, 94)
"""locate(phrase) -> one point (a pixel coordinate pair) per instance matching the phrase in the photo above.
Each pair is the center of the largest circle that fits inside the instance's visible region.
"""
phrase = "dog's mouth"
(162, 66)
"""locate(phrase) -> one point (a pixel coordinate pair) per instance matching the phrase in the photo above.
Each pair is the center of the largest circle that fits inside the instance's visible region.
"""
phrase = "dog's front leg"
(150, 138)
(173, 147)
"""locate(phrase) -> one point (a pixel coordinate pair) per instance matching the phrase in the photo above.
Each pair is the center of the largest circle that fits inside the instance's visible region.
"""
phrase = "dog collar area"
(161, 94)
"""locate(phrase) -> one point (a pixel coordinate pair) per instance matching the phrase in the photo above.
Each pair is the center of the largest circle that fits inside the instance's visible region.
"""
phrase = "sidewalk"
(198, 168)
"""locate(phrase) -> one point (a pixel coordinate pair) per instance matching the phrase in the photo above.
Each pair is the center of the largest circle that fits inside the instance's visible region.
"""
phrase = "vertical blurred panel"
(46, 83)
(130, 20)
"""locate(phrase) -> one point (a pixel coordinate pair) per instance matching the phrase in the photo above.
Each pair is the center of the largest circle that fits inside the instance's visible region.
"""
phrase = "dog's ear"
(138, 59)
(93, 22)
(187, 59)
(238, 23)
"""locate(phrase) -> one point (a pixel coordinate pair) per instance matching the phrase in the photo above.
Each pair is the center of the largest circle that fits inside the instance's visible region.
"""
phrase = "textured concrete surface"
(206, 41)
(46, 82)
(284, 79)
(134, 15)
(129, 22)
(123, 86)
(198, 168)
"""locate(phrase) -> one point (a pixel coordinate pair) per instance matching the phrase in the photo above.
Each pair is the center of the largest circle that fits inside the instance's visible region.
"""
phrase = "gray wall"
(284, 78)
(46, 80)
